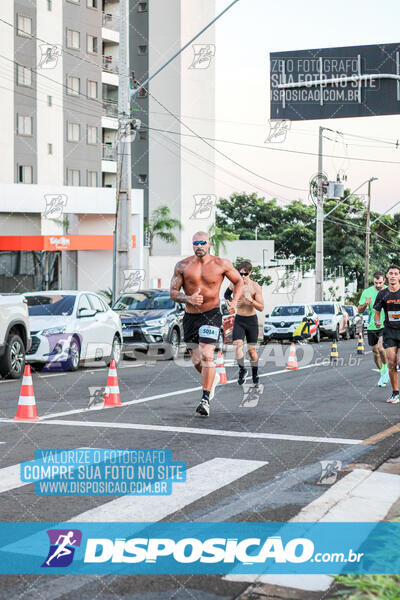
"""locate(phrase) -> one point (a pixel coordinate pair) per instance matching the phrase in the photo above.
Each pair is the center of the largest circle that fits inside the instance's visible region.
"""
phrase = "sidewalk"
(361, 495)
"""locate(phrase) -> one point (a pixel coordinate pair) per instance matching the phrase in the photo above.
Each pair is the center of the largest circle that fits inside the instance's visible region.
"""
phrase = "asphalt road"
(259, 458)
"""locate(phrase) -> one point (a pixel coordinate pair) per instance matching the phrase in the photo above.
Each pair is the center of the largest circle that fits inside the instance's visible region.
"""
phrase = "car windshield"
(50, 305)
(288, 311)
(324, 309)
(350, 310)
(142, 301)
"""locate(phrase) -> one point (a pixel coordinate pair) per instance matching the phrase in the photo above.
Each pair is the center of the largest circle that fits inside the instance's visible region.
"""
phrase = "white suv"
(15, 339)
(332, 320)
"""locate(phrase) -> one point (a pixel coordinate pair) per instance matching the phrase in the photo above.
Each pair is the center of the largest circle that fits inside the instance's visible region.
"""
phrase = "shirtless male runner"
(201, 277)
(246, 321)
(388, 299)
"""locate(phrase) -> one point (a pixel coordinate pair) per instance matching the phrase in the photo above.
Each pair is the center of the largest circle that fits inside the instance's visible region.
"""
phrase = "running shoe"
(242, 376)
(256, 380)
(382, 381)
(385, 376)
(203, 408)
(394, 399)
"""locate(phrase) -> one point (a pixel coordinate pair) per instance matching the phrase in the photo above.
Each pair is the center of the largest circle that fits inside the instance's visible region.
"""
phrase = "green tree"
(218, 237)
(292, 227)
(161, 225)
(256, 273)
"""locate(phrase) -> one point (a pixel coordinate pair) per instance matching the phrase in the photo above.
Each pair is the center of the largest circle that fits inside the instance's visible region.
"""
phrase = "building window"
(92, 44)
(25, 174)
(91, 134)
(143, 134)
(92, 89)
(92, 3)
(142, 50)
(73, 39)
(24, 125)
(73, 177)
(142, 7)
(49, 100)
(73, 132)
(92, 178)
(24, 26)
(49, 5)
(50, 148)
(142, 178)
(73, 85)
(24, 76)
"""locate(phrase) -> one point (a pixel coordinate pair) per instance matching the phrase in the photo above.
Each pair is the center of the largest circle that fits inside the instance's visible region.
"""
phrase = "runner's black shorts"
(374, 335)
(391, 337)
(202, 327)
(245, 327)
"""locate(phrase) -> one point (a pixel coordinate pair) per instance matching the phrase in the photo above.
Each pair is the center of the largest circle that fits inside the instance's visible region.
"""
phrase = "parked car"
(69, 327)
(150, 319)
(365, 317)
(333, 320)
(284, 318)
(15, 338)
(356, 320)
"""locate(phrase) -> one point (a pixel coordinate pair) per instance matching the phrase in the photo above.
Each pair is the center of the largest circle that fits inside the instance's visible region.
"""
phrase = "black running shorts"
(245, 327)
(374, 335)
(202, 327)
(391, 337)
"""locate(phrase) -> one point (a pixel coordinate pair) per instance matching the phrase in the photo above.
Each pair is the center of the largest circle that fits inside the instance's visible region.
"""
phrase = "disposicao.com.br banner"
(205, 548)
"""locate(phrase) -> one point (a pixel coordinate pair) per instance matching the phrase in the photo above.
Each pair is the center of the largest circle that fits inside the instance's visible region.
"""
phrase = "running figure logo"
(62, 547)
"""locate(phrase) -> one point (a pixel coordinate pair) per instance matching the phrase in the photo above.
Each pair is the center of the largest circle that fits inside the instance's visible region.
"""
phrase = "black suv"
(151, 323)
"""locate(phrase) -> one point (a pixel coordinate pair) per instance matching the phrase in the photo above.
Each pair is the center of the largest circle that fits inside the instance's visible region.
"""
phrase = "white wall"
(251, 250)
(7, 78)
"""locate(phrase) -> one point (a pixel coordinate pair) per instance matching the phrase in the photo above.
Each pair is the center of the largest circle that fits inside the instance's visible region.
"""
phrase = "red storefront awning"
(58, 242)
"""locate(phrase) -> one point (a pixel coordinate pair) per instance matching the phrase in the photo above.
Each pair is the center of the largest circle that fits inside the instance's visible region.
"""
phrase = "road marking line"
(195, 430)
(156, 397)
(361, 496)
(201, 480)
(382, 435)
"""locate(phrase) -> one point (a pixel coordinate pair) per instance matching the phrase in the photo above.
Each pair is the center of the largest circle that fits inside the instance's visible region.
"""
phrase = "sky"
(245, 36)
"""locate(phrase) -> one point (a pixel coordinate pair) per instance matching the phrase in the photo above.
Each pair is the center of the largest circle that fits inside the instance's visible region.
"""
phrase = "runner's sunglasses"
(199, 242)
(243, 273)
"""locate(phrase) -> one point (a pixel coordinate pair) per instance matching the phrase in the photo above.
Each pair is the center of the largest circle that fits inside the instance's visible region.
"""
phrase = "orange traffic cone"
(292, 361)
(26, 410)
(220, 368)
(111, 395)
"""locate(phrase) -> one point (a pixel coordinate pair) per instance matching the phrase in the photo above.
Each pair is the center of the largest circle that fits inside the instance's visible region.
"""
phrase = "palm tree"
(161, 225)
(218, 238)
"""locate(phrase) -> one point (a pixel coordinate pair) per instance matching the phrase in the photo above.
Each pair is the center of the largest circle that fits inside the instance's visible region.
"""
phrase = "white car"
(14, 335)
(332, 320)
(68, 327)
(284, 318)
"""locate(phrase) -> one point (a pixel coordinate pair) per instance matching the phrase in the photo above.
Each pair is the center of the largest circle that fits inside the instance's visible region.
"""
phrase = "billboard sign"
(331, 83)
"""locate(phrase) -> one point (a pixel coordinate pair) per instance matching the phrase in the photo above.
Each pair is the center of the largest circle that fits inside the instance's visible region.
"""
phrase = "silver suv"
(333, 320)
(15, 338)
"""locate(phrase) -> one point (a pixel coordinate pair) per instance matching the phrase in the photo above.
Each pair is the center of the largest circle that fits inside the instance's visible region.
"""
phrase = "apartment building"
(59, 81)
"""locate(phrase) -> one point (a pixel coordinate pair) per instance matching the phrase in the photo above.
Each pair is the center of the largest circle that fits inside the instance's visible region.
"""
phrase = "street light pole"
(319, 241)
(122, 247)
(368, 233)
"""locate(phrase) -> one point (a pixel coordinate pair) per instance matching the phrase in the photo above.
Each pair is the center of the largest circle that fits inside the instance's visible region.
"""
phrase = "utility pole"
(368, 233)
(122, 250)
(319, 242)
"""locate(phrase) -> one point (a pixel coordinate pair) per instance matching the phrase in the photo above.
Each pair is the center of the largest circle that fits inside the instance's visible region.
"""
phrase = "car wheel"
(74, 356)
(12, 363)
(174, 341)
(116, 352)
(317, 336)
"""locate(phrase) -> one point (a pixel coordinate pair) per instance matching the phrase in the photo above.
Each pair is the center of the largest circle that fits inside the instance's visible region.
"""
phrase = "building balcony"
(110, 65)
(110, 108)
(109, 152)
